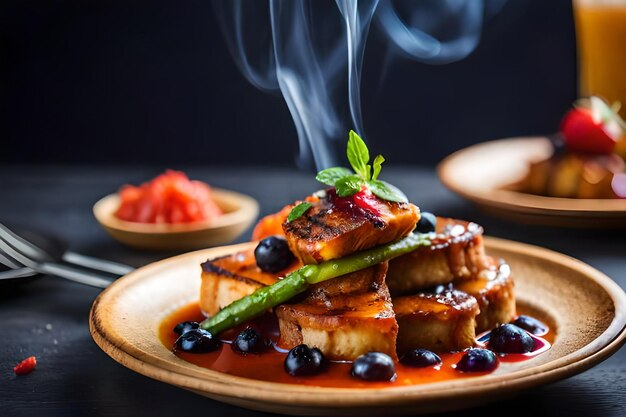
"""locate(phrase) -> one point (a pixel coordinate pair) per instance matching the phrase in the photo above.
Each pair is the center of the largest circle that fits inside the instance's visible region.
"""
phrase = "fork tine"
(34, 252)
(19, 243)
(17, 273)
(13, 255)
(4, 260)
(73, 274)
(95, 263)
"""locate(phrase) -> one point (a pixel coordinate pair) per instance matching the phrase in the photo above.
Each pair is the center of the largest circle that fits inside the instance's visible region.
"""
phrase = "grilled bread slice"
(456, 252)
(230, 278)
(440, 322)
(353, 314)
(337, 226)
(494, 289)
(343, 317)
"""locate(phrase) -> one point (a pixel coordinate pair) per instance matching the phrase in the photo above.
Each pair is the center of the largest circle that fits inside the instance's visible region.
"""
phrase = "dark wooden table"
(48, 317)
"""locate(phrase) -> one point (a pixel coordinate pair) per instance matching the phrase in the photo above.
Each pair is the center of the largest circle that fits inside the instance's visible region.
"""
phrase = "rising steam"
(310, 49)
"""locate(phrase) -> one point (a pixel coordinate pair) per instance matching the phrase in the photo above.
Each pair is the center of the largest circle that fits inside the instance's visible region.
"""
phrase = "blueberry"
(477, 360)
(197, 341)
(272, 254)
(249, 341)
(185, 326)
(508, 338)
(531, 324)
(303, 360)
(374, 366)
(420, 358)
(427, 223)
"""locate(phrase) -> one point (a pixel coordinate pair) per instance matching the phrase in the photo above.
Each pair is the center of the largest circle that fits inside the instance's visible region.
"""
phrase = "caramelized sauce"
(268, 366)
(358, 205)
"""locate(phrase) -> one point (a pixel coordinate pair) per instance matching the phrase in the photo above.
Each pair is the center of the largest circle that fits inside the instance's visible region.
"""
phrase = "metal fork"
(18, 253)
(16, 271)
(49, 268)
(34, 252)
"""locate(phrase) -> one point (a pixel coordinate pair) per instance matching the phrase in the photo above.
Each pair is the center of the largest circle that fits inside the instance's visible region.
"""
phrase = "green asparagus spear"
(298, 281)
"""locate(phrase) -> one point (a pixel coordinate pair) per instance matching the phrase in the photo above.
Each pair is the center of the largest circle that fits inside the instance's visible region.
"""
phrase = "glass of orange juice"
(601, 47)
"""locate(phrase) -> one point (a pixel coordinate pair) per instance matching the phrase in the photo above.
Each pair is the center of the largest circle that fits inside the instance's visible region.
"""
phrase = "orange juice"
(601, 43)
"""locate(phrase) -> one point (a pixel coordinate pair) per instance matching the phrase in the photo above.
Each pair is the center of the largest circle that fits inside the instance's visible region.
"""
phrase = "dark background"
(138, 82)
(152, 82)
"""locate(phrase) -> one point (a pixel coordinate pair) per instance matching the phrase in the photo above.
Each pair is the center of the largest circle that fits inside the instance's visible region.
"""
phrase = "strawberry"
(26, 366)
(592, 126)
(366, 200)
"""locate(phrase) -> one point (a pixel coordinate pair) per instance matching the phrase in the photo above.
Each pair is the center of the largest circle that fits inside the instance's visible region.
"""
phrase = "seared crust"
(343, 317)
(456, 252)
(230, 278)
(354, 314)
(494, 290)
(334, 227)
(440, 322)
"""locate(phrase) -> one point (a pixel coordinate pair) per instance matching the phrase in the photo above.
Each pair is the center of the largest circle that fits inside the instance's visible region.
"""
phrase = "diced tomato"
(169, 198)
(26, 366)
(206, 205)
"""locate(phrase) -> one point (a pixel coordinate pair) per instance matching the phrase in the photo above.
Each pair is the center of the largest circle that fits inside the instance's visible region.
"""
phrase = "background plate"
(479, 173)
(587, 309)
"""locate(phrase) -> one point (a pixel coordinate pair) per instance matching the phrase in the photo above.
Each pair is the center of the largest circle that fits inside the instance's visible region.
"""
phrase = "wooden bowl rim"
(246, 209)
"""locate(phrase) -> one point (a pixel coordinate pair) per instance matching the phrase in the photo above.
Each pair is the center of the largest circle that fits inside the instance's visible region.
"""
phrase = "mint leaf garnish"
(298, 211)
(378, 161)
(349, 185)
(358, 155)
(387, 191)
(330, 176)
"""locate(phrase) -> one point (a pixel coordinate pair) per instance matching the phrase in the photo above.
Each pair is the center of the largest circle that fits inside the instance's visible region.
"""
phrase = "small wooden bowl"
(240, 211)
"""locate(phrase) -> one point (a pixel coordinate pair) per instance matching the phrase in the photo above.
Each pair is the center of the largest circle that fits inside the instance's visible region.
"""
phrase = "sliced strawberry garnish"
(592, 127)
(367, 201)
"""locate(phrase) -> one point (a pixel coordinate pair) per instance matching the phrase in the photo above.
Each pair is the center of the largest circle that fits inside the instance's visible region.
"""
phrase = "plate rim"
(220, 385)
(526, 203)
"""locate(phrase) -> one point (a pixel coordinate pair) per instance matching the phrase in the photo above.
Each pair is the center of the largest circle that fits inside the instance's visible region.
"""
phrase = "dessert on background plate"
(587, 159)
(574, 178)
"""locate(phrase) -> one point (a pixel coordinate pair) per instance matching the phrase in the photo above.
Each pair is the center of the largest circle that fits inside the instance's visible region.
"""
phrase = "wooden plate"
(587, 309)
(240, 211)
(480, 172)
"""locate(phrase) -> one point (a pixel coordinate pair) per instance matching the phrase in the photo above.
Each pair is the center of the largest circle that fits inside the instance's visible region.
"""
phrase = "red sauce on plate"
(268, 366)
